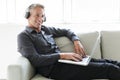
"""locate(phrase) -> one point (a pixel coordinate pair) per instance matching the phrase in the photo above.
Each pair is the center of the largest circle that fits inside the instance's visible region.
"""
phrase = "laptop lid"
(95, 45)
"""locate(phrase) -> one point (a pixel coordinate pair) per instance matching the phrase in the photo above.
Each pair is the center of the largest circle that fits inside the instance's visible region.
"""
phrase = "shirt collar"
(29, 29)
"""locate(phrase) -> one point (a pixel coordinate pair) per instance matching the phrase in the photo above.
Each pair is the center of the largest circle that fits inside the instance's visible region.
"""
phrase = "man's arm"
(27, 49)
(57, 32)
(79, 49)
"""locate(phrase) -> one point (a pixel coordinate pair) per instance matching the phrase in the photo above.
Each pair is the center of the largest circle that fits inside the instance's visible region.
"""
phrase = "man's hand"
(79, 48)
(70, 56)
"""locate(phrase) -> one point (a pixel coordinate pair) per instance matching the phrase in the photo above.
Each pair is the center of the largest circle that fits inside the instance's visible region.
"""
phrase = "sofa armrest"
(22, 70)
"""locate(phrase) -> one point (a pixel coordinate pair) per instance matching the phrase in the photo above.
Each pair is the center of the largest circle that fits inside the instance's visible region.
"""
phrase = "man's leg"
(97, 69)
(64, 71)
(106, 61)
(113, 72)
(104, 71)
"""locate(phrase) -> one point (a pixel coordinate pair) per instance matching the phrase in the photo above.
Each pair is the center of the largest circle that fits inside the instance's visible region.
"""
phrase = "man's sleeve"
(27, 49)
(57, 32)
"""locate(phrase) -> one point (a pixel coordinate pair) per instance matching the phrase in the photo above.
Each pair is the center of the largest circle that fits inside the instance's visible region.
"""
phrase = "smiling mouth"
(39, 23)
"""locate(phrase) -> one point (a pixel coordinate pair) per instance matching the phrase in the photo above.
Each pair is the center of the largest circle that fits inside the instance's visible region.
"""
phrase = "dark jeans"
(97, 69)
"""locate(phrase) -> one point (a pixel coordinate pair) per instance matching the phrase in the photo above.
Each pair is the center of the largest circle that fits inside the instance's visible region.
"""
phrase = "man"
(37, 44)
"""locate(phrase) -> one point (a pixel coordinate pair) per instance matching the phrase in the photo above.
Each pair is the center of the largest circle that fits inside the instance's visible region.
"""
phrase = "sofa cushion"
(111, 44)
(87, 39)
(64, 44)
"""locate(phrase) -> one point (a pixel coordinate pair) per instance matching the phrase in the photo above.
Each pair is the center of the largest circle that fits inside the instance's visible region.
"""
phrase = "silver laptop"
(85, 61)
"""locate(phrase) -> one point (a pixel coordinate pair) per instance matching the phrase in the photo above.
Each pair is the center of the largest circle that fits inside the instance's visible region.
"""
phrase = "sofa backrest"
(87, 39)
(111, 44)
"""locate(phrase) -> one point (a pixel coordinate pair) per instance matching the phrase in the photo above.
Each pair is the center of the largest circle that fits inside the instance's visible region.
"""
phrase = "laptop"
(85, 61)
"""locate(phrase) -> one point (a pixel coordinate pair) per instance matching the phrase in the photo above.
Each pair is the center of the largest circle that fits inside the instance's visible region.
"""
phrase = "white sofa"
(108, 47)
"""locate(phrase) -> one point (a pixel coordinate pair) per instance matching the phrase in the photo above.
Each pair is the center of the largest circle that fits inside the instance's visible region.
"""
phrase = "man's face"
(36, 17)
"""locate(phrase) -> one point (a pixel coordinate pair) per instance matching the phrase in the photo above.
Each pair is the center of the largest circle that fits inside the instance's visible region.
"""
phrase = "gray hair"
(32, 6)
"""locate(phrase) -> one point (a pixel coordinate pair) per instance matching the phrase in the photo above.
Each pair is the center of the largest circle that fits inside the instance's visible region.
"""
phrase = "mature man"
(37, 44)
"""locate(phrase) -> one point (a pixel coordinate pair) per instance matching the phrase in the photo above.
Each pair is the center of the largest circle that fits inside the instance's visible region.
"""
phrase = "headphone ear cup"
(27, 15)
